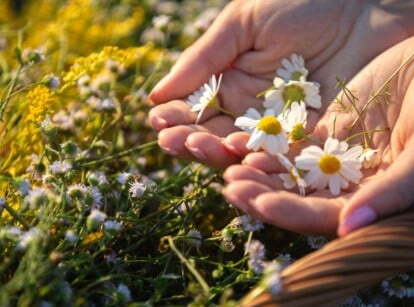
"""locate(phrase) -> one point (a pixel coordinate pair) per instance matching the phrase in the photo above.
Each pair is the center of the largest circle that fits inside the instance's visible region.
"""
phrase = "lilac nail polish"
(360, 217)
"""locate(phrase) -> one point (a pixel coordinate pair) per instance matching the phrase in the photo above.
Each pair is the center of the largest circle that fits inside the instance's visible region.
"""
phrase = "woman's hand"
(246, 43)
(255, 186)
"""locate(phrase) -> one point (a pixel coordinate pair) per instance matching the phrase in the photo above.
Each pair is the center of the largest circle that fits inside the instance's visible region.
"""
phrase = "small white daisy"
(267, 132)
(205, 97)
(60, 167)
(317, 242)
(95, 219)
(137, 189)
(194, 237)
(27, 237)
(112, 226)
(161, 22)
(370, 158)
(295, 121)
(285, 93)
(293, 69)
(292, 178)
(335, 165)
(249, 224)
(124, 291)
(272, 280)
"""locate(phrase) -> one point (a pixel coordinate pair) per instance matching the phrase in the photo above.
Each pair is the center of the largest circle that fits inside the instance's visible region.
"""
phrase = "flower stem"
(14, 214)
(365, 133)
(313, 140)
(119, 154)
(189, 266)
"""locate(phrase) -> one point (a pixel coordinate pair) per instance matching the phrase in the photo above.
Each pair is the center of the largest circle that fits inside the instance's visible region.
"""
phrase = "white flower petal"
(334, 184)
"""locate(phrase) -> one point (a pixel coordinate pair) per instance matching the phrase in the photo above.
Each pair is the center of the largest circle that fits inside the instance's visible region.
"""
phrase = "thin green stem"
(382, 87)
(313, 140)
(14, 214)
(119, 154)
(189, 266)
(365, 133)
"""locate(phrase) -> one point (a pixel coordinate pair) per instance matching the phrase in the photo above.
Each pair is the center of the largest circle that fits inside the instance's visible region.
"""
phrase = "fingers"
(172, 113)
(388, 192)
(211, 54)
(200, 142)
(244, 172)
(310, 215)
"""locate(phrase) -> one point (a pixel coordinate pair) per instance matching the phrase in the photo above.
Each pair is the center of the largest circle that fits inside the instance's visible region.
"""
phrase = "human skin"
(246, 43)
(255, 188)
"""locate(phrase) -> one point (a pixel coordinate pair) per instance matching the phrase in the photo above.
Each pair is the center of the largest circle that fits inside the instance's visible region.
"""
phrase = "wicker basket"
(344, 266)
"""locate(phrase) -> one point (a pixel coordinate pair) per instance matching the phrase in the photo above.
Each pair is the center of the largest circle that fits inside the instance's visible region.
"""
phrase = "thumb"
(216, 49)
(387, 193)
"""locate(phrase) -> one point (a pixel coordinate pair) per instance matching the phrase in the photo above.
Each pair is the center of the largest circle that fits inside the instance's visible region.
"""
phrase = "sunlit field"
(92, 212)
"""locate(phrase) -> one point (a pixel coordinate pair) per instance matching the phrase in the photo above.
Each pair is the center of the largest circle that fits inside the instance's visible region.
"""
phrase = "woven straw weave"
(345, 265)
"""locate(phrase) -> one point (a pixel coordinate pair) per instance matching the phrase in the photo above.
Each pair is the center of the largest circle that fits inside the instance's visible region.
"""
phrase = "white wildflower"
(112, 226)
(370, 158)
(137, 189)
(285, 93)
(293, 69)
(295, 121)
(334, 166)
(205, 97)
(249, 224)
(292, 178)
(115, 67)
(124, 177)
(26, 237)
(161, 22)
(23, 186)
(255, 249)
(272, 280)
(398, 286)
(266, 131)
(37, 197)
(71, 236)
(124, 291)
(317, 242)
(60, 167)
(95, 219)
(194, 237)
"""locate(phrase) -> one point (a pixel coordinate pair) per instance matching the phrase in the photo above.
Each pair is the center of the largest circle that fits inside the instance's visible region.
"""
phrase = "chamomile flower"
(335, 165)
(205, 97)
(293, 69)
(292, 178)
(266, 131)
(284, 93)
(295, 121)
(370, 158)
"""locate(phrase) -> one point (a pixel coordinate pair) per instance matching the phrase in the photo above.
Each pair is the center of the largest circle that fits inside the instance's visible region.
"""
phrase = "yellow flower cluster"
(94, 62)
(39, 99)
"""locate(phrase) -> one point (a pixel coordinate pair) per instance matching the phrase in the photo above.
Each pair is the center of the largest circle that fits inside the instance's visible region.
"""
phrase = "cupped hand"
(246, 43)
(255, 186)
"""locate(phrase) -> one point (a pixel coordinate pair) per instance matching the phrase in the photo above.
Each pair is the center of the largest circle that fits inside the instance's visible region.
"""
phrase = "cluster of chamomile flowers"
(282, 121)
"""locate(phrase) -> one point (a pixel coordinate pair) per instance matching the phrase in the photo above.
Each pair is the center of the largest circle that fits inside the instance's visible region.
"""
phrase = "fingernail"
(158, 123)
(231, 149)
(170, 151)
(360, 217)
(196, 152)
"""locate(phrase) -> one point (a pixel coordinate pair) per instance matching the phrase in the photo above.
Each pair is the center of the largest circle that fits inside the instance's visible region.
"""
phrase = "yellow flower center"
(298, 132)
(270, 125)
(296, 75)
(329, 164)
(293, 93)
